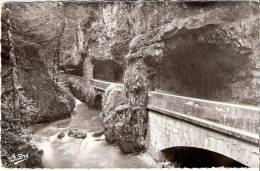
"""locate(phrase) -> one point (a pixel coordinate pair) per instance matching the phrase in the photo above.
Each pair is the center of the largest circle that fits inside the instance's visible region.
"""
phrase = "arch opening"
(108, 70)
(73, 69)
(191, 157)
(203, 70)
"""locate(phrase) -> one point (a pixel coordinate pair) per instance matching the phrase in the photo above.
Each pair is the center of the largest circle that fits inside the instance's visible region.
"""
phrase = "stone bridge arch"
(166, 132)
(193, 157)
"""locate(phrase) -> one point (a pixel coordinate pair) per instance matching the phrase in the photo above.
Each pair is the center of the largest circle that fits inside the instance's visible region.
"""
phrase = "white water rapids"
(91, 152)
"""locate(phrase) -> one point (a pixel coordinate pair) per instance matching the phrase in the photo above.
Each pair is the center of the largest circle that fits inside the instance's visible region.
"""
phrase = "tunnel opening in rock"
(202, 70)
(190, 157)
(98, 102)
(73, 69)
(108, 70)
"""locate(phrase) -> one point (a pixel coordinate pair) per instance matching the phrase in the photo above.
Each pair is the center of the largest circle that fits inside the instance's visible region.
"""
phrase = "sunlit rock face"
(206, 50)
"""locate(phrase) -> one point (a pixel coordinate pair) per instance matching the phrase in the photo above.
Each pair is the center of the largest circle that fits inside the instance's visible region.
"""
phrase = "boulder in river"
(114, 97)
(77, 133)
(98, 132)
(61, 135)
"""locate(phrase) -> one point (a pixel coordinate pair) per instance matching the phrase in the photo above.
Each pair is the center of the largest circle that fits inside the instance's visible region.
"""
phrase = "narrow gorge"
(84, 84)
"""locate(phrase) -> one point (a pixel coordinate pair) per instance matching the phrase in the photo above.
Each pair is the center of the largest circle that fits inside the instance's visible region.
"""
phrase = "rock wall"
(113, 102)
(77, 88)
(211, 54)
(41, 100)
(222, 61)
(206, 50)
(51, 100)
(28, 96)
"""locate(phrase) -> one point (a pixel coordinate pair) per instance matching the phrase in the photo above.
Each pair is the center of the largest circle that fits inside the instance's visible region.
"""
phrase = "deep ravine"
(91, 152)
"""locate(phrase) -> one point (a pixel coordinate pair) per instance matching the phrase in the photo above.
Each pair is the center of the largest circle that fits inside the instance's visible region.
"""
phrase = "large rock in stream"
(117, 119)
(73, 132)
(113, 102)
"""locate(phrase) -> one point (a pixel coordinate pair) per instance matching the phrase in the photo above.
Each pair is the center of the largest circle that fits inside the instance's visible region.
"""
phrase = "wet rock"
(61, 135)
(77, 133)
(129, 146)
(98, 133)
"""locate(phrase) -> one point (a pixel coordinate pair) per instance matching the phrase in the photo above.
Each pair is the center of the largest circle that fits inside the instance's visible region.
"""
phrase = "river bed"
(91, 152)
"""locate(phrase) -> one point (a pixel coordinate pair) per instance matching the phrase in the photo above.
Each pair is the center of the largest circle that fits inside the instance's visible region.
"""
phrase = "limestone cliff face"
(40, 100)
(211, 54)
(28, 96)
(205, 50)
(51, 102)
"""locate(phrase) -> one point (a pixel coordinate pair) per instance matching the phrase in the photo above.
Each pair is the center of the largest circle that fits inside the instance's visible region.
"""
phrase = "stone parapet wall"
(241, 117)
(167, 132)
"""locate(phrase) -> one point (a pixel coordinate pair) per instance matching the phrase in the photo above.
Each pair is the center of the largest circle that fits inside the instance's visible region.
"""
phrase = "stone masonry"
(167, 128)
